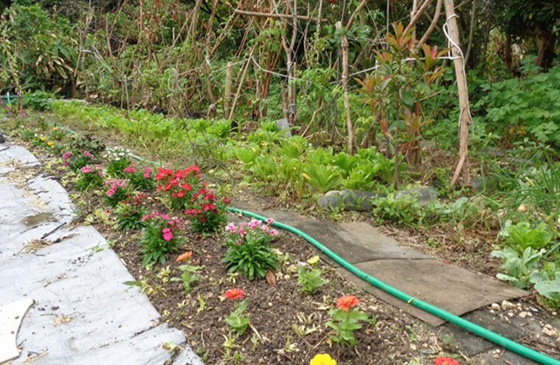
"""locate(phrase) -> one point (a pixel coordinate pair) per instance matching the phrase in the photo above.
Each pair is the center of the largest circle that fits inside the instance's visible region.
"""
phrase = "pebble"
(554, 314)
(523, 314)
(287, 277)
(496, 307)
(507, 305)
(550, 331)
(413, 347)
(270, 304)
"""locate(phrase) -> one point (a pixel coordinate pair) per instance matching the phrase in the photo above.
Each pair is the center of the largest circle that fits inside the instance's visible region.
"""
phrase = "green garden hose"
(438, 312)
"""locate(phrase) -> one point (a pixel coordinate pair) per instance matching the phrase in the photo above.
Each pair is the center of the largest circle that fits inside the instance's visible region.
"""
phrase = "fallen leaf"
(270, 278)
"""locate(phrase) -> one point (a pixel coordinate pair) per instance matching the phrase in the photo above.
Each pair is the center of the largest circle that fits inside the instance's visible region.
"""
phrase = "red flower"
(346, 303)
(226, 200)
(445, 361)
(234, 294)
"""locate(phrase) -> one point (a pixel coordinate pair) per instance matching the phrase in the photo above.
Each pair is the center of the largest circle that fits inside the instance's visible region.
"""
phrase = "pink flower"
(231, 228)
(167, 235)
(88, 155)
(273, 232)
(242, 232)
(147, 172)
(110, 192)
(129, 169)
(269, 221)
(253, 224)
(86, 169)
(165, 217)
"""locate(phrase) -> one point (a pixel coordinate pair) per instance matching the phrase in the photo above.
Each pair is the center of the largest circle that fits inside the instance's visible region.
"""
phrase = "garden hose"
(438, 312)
(433, 310)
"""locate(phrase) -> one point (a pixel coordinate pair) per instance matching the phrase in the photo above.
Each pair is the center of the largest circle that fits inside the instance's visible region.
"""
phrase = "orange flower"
(184, 257)
(346, 303)
(234, 294)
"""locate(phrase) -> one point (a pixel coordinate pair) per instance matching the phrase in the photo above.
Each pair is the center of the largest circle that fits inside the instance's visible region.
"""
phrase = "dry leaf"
(270, 278)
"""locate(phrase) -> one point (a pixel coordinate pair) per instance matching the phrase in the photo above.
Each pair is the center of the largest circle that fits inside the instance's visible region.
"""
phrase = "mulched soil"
(278, 313)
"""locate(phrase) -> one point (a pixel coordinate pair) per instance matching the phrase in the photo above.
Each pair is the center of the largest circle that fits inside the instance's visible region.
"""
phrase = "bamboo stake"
(432, 26)
(464, 115)
(227, 96)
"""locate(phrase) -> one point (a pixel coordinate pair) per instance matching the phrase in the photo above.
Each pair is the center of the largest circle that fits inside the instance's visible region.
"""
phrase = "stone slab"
(446, 286)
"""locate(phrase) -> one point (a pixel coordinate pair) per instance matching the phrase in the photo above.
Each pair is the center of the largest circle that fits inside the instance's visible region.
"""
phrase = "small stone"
(548, 330)
(523, 314)
(533, 309)
(413, 347)
(496, 307)
(507, 305)
(510, 314)
(270, 304)
(287, 277)
(554, 314)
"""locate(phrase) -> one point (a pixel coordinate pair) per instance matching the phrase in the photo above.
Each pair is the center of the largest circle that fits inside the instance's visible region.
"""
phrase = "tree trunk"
(546, 42)
(464, 115)
(344, 49)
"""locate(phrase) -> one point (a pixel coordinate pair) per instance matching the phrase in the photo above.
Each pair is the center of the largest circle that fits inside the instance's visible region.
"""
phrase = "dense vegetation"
(206, 79)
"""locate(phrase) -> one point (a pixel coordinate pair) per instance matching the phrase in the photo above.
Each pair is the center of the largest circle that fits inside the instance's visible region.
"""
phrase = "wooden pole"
(227, 94)
(344, 49)
(464, 115)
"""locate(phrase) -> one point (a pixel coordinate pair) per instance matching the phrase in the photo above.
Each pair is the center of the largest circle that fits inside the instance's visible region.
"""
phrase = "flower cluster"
(117, 192)
(206, 212)
(139, 179)
(445, 361)
(129, 215)
(178, 185)
(237, 320)
(162, 235)
(249, 249)
(91, 176)
(346, 303)
(77, 159)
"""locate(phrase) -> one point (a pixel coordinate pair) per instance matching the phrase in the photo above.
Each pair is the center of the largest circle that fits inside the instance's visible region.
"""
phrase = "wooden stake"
(344, 49)
(227, 94)
(464, 115)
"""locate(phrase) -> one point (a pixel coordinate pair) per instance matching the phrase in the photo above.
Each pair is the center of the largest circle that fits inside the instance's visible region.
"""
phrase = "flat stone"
(446, 286)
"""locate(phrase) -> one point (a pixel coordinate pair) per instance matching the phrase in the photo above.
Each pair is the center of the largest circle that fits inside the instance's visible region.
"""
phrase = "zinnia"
(346, 303)
(445, 361)
(184, 257)
(322, 359)
(234, 294)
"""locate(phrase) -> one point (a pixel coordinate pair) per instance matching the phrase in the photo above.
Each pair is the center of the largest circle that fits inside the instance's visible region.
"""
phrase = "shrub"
(310, 280)
(249, 249)
(162, 235)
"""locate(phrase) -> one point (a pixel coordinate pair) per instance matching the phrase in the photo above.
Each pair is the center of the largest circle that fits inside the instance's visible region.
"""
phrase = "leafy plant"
(405, 210)
(117, 165)
(522, 236)
(547, 284)
(162, 235)
(189, 276)
(517, 268)
(324, 178)
(142, 180)
(310, 280)
(129, 214)
(75, 160)
(117, 192)
(345, 320)
(249, 249)
(237, 319)
(91, 176)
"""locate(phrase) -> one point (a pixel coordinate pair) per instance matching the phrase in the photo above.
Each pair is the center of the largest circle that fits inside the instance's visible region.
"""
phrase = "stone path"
(82, 313)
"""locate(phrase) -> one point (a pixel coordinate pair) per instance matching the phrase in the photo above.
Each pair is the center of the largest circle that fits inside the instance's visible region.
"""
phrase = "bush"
(90, 177)
(206, 212)
(162, 235)
(129, 214)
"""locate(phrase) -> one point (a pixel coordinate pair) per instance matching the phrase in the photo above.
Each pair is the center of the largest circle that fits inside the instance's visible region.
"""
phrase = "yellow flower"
(43, 138)
(55, 129)
(322, 359)
(50, 143)
(313, 260)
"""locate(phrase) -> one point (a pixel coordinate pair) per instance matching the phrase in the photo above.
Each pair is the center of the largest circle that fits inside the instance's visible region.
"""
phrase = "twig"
(283, 16)
(52, 231)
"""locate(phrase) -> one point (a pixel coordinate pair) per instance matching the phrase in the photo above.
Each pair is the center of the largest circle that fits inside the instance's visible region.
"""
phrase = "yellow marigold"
(43, 138)
(50, 143)
(322, 359)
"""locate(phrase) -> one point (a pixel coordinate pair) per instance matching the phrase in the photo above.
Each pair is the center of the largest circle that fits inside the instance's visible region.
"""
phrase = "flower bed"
(243, 293)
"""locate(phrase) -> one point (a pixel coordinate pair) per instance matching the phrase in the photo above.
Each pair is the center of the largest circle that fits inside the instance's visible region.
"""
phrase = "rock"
(550, 331)
(348, 200)
(523, 314)
(283, 126)
(507, 305)
(2, 138)
(496, 307)
(423, 195)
